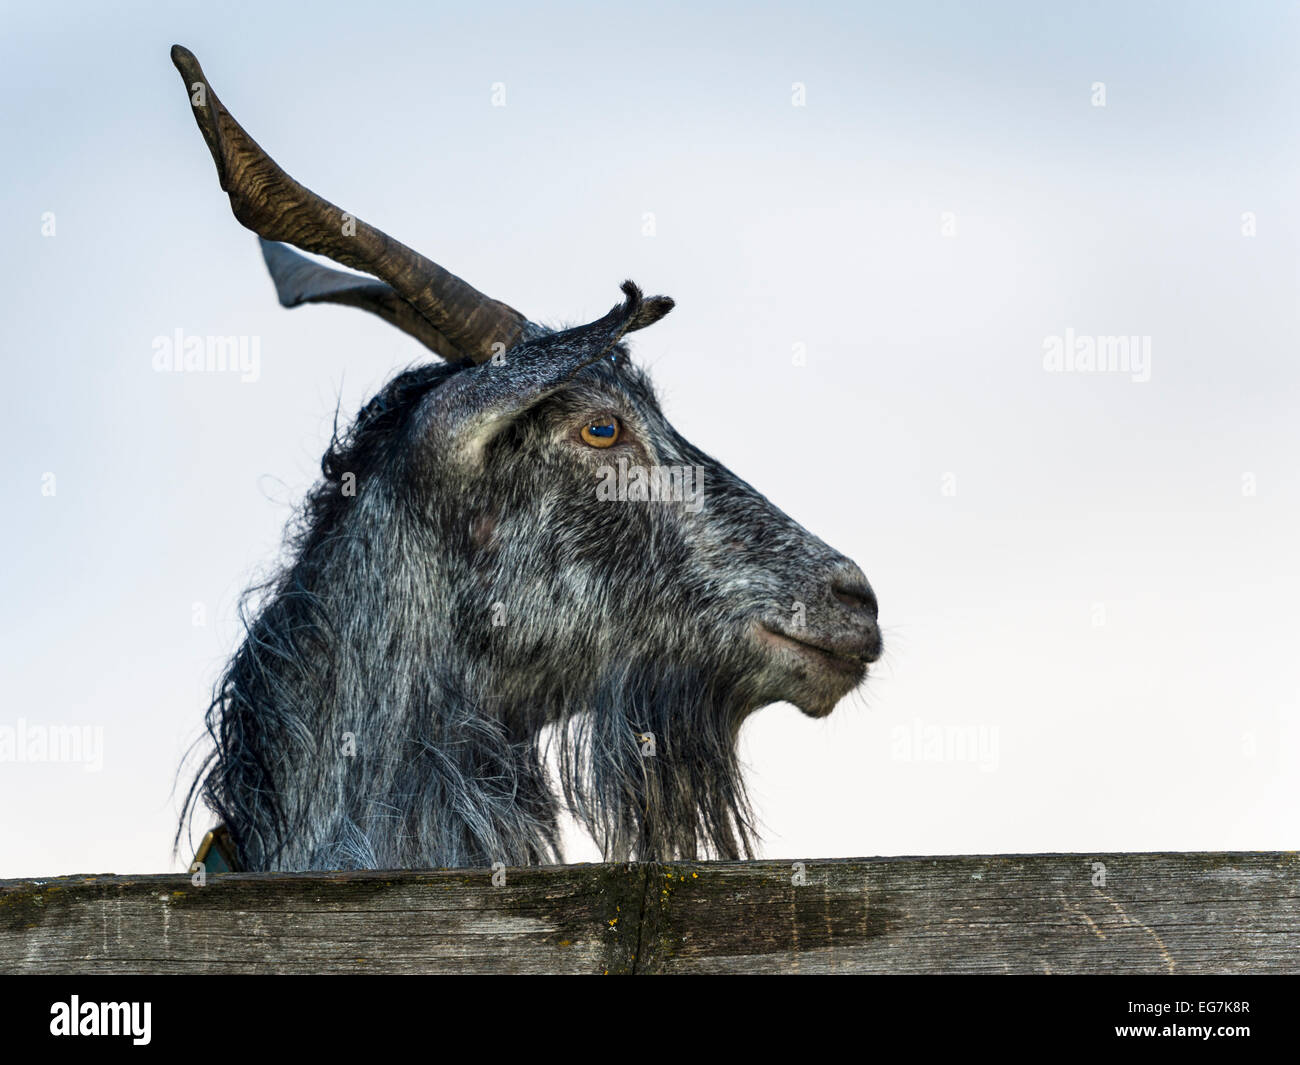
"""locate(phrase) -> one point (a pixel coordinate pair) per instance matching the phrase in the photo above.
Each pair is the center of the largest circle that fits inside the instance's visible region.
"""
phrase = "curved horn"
(269, 202)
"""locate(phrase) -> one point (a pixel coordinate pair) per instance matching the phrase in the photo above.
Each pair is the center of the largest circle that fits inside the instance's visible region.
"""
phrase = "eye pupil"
(602, 430)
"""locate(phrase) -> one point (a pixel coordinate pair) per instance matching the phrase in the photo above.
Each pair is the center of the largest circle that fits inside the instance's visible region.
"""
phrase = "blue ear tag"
(217, 852)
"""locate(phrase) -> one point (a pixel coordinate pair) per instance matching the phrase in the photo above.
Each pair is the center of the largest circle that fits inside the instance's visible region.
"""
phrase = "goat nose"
(850, 587)
(856, 597)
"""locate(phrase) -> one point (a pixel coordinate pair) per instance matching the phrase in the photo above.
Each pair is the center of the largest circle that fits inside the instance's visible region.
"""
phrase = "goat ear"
(635, 312)
(298, 280)
(470, 409)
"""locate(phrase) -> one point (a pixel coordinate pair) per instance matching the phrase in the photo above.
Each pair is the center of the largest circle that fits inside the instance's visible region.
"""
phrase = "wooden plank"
(1152, 913)
(1155, 913)
(562, 919)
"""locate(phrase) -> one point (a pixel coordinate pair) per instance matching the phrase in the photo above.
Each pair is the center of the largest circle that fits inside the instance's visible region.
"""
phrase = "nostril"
(856, 596)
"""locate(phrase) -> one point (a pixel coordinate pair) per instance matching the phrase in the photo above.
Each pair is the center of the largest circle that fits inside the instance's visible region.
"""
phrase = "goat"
(509, 544)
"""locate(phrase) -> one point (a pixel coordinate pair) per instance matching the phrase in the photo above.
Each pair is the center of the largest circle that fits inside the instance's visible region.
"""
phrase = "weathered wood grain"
(1184, 913)
(1154, 913)
(542, 920)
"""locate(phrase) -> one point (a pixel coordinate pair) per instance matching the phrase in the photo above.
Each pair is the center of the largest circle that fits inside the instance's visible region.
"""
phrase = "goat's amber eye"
(601, 433)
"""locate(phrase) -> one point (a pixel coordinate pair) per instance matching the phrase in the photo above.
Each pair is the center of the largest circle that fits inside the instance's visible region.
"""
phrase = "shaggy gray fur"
(475, 590)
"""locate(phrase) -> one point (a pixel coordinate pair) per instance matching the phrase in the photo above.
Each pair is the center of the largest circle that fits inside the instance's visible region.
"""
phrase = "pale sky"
(1093, 577)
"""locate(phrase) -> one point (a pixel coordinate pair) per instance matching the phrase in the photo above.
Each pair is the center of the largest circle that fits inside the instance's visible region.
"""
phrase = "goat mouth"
(824, 656)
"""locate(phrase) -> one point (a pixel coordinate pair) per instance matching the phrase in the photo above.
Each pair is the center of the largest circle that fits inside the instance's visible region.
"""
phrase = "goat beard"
(646, 757)
(651, 768)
